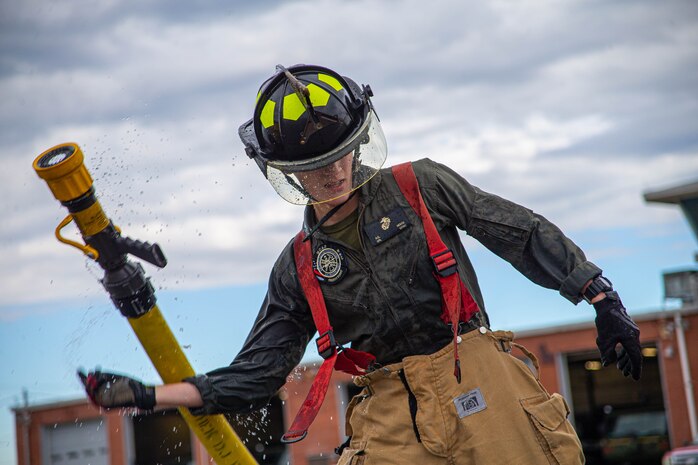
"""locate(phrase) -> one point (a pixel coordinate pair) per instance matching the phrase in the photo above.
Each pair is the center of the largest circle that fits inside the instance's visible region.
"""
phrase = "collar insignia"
(388, 226)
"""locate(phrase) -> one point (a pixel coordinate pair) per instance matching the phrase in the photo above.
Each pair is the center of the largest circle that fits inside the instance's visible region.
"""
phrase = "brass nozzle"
(63, 170)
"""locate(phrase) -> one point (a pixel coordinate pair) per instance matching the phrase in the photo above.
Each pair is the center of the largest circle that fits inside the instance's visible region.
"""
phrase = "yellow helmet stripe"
(293, 107)
(332, 81)
(318, 96)
(266, 117)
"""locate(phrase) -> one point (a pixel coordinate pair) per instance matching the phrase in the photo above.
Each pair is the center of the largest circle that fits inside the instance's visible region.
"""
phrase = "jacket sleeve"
(532, 244)
(272, 350)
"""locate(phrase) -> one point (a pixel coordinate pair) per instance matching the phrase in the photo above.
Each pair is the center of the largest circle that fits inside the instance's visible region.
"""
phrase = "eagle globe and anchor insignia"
(329, 264)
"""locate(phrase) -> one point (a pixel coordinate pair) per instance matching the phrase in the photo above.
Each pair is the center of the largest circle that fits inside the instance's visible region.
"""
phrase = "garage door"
(619, 421)
(80, 443)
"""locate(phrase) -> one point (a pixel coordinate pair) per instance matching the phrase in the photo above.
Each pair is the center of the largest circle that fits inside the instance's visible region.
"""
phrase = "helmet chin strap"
(328, 215)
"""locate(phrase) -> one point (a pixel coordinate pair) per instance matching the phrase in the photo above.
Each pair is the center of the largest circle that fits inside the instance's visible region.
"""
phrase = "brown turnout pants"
(415, 412)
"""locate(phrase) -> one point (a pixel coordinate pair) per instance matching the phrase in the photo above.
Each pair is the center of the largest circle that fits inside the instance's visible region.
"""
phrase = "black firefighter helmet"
(307, 118)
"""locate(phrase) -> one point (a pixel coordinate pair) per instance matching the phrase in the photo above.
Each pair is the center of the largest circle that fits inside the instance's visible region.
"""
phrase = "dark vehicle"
(636, 438)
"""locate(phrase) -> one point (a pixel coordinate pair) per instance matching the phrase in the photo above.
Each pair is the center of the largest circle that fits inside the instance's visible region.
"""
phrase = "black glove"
(110, 390)
(614, 326)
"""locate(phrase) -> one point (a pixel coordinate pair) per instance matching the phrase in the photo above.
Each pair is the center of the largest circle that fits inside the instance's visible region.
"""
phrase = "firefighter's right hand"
(110, 390)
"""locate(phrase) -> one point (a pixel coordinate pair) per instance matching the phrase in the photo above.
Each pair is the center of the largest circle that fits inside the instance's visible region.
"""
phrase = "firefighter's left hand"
(614, 327)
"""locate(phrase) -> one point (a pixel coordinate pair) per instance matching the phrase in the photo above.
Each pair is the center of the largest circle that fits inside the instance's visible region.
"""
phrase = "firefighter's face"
(331, 184)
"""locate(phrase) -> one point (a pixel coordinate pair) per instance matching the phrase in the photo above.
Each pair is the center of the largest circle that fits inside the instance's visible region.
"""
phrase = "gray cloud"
(525, 99)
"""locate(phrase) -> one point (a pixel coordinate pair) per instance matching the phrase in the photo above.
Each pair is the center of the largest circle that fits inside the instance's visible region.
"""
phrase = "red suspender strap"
(457, 303)
(345, 359)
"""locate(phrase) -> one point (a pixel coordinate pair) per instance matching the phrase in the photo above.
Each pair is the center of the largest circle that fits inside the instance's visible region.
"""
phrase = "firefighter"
(380, 272)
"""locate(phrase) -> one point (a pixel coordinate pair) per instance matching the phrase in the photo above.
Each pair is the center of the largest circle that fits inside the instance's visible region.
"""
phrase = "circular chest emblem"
(329, 264)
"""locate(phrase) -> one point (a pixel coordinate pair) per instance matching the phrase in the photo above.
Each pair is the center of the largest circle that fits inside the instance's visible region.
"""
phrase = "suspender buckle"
(444, 263)
(326, 344)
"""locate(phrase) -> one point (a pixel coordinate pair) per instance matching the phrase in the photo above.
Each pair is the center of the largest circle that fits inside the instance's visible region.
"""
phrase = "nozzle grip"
(151, 253)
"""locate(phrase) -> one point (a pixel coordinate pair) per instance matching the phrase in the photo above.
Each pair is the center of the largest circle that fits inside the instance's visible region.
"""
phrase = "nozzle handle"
(151, 253)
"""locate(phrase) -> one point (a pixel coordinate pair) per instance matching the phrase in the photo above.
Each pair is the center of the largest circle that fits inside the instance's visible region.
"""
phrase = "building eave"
(673, 195)
(637, 317)
(50, 405)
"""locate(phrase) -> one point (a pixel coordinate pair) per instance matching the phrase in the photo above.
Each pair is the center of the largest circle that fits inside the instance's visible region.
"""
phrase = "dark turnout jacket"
(387, 302)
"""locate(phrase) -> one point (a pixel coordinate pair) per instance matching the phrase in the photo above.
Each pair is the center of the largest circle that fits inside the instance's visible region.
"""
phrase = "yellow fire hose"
(63, 170)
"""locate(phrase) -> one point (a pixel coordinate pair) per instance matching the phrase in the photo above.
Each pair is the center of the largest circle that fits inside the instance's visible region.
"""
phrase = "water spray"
(63, 169)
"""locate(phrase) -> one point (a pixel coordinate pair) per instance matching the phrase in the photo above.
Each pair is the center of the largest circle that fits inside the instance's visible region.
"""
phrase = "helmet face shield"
(335, 174)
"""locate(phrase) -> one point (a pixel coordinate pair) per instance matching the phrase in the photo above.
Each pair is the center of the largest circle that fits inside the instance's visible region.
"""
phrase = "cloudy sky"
(571, 108)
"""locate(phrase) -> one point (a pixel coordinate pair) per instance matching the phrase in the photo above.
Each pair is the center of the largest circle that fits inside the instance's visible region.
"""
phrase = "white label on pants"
(469, 403)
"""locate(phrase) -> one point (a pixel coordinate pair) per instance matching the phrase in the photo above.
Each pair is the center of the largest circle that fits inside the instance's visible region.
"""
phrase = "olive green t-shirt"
(346, 231)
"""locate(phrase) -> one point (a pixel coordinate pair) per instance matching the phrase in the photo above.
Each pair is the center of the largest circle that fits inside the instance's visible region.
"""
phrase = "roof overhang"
(674, 195)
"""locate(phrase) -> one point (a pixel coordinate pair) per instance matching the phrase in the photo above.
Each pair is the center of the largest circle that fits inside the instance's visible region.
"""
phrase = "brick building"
(72, 433)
